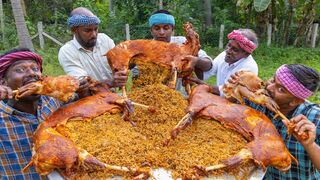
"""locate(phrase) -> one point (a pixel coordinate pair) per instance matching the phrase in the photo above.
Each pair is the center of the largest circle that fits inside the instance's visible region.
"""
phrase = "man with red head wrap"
(237, 56)
(20, 118)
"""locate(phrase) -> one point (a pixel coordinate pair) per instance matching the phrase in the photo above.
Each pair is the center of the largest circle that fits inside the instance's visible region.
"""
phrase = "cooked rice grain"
(117, 142)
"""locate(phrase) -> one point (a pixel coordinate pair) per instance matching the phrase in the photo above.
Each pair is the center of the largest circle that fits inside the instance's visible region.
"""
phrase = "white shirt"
(224, 70)
(77, 61)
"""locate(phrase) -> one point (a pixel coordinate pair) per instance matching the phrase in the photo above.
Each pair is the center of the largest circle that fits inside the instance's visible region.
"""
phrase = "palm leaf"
(261, 5)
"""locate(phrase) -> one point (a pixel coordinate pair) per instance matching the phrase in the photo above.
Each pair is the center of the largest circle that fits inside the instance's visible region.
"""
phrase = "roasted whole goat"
(53, 150)
(169, 55)
(265, 147)
(250, 86)
(61, 87)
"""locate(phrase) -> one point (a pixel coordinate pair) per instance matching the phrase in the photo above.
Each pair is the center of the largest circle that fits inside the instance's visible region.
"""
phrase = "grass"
(268, 59)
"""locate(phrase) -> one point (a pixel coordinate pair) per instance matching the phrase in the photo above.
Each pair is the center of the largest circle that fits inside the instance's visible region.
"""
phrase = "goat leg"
(125, 102)
(28, 89)
(182, 124)
(128, 103)
(91, 162)
(173, 82)
(232, 162)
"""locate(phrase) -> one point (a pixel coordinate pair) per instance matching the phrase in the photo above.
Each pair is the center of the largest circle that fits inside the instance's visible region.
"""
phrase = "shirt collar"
(6, 108)
(10, 110)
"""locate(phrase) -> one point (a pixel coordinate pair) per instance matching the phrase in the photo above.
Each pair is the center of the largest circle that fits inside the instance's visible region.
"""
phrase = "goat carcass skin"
(265, 147)
(61, 87)
(167, 55)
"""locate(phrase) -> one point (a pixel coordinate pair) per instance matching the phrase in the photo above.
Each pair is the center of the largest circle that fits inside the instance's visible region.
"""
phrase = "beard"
(88, 44)
(230, 59)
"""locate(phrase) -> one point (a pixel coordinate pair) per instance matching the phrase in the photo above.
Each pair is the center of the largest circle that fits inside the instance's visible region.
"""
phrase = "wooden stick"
(172, 84)
(15, 94)
(142, 174)
(182, 120)
(302, 136)
(124, 93)
(214, 167)
(119, 168)
(150, 108)
(141, 105)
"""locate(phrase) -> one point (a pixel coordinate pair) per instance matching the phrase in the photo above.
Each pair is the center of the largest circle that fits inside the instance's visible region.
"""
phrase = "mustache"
(31, 78)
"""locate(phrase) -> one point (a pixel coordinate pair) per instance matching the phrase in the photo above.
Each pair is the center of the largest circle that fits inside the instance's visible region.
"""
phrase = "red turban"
(245, 44)
(8, 59)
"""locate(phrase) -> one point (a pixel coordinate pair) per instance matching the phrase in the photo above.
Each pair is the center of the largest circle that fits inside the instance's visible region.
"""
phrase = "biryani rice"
(115, 141)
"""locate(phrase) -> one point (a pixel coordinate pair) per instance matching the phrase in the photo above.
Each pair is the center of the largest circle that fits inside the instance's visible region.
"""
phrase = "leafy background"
(255, 14)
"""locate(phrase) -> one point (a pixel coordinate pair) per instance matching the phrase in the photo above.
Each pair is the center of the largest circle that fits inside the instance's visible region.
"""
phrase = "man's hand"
(234, 78)
(83, 89)
(120, 79)
(304, 125)
(191, 62)
(5, 92)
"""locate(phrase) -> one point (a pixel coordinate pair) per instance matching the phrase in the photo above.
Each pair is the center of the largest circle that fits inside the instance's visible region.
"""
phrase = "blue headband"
(82, 20)
(161, 18)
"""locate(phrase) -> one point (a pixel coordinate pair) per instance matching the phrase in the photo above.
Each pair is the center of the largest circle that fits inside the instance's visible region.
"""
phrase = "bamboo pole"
(269, 34)
(40, 33)
(53, 39)
(160, 4)
(2, 20)
(221, 36)
(127, 32)
(314, 34)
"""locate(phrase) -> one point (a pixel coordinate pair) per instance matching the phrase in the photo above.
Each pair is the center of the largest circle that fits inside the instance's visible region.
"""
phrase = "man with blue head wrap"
(83, 55)
(162, 25)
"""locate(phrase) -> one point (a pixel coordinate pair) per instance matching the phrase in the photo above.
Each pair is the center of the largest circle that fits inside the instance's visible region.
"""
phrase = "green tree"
(23, 32)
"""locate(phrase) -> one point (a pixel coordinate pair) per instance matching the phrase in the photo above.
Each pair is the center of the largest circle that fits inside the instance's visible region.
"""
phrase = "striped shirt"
(305, 169)
(16, 131)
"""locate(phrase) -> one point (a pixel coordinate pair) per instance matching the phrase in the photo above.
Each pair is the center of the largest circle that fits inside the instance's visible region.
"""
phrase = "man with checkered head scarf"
(83, 55)
(290, 87)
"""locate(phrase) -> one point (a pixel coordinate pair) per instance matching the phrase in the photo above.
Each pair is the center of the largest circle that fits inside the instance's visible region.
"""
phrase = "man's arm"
(312, 148)
(70, 62)
(202, 65)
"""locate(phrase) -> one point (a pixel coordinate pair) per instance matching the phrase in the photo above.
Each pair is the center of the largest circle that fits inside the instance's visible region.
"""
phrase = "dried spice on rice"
(117, 142)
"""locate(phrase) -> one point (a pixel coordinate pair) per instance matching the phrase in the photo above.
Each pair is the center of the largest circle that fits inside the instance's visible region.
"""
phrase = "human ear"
(74, 29)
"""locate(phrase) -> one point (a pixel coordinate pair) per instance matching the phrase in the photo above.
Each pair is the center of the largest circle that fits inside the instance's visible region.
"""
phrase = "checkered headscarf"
(82, 20)
(7, 60)
(290, 82)
(243, 41)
